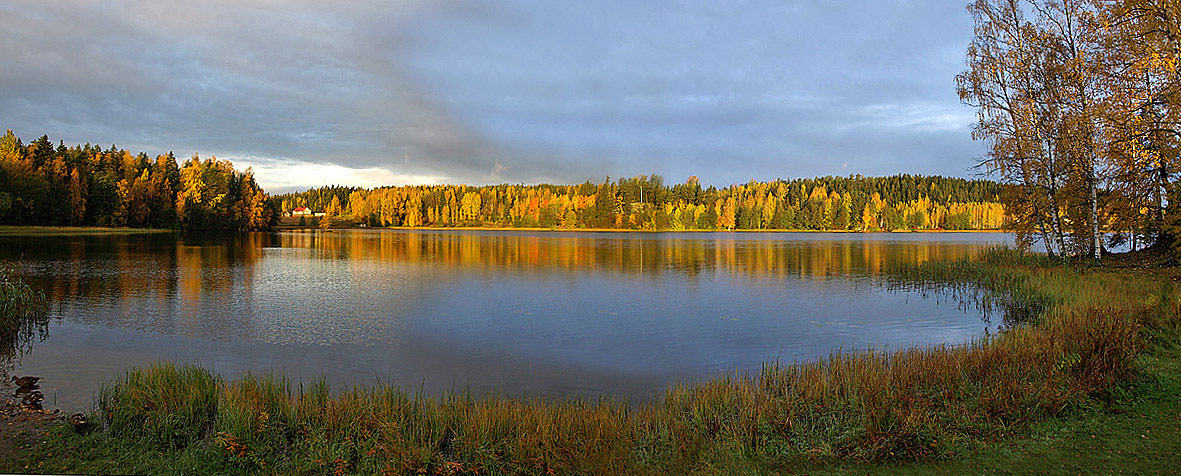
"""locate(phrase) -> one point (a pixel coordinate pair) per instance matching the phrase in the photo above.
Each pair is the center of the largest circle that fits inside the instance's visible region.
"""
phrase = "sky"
(394, 92)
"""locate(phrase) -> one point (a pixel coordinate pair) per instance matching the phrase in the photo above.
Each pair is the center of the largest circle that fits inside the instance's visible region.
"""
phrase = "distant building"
(302, 211)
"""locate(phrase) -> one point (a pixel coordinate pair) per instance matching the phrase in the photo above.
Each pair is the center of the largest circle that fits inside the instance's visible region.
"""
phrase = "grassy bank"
(1101, 345)
(74, 230)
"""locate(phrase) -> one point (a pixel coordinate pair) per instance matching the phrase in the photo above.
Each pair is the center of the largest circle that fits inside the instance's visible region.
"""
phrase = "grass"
(1097, 342)
(1140, 436)
(22, 316)
(73, 230)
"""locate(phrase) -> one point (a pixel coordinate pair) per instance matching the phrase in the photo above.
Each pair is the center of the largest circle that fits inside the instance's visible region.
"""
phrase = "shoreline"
(53, 230)
(23, 429)
(26, 230)
(627, 230)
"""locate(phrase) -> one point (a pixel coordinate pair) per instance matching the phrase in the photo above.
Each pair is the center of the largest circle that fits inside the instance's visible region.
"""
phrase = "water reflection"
(516, 312)
(755, 255)
(215, 267)
(1006, 305)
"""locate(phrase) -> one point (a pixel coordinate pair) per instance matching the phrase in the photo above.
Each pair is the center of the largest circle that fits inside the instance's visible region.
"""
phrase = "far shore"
(99, 230)
(625, 230)
(75, 230)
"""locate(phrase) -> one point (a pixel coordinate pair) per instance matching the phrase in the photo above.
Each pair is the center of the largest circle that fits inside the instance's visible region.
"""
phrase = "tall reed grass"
(23, 315)
(918, 403)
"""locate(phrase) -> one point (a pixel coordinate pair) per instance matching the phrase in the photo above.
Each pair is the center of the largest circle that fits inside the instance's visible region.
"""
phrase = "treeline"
(647, 203)
(41, 184)
(1080, 102)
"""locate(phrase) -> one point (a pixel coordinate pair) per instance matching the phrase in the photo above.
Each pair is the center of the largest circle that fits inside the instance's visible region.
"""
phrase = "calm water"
(550, 314)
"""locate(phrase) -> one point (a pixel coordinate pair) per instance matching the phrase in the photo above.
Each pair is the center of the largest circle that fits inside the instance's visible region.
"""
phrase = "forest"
(1077, 101)
(43, 184)
(646, 203)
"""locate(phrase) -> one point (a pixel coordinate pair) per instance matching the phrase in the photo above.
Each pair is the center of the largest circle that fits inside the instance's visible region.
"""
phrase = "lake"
(548, 314)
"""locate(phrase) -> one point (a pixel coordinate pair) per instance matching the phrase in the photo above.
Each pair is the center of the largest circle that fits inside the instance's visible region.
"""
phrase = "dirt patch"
(1156, 257)
(21, 428)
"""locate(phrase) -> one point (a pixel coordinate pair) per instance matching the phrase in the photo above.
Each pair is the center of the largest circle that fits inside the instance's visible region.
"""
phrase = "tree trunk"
(1041, 226)
(1096, 243)
(1162, 182)
(1056, 224)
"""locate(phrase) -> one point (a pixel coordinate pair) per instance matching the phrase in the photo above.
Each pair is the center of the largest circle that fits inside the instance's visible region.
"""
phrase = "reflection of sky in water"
(555, 314)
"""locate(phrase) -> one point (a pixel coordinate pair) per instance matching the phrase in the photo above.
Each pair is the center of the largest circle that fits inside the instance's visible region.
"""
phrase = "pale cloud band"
(278, 176)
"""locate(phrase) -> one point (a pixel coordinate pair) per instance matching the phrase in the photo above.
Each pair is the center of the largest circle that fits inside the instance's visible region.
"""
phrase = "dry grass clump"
(168, 406)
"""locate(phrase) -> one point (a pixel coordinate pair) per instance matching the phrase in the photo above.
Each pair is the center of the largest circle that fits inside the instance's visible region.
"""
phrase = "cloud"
(918, 116)
(278, 176)
(514, 91)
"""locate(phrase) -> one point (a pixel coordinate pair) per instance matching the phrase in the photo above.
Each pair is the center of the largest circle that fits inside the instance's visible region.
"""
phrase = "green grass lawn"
(1143, 438)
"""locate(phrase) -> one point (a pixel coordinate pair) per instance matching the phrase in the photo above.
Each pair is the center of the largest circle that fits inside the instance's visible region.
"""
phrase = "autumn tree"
(1005, 82)
(1142, 53)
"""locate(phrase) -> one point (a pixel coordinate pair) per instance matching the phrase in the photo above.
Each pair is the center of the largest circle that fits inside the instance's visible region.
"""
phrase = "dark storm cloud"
(466, 91)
